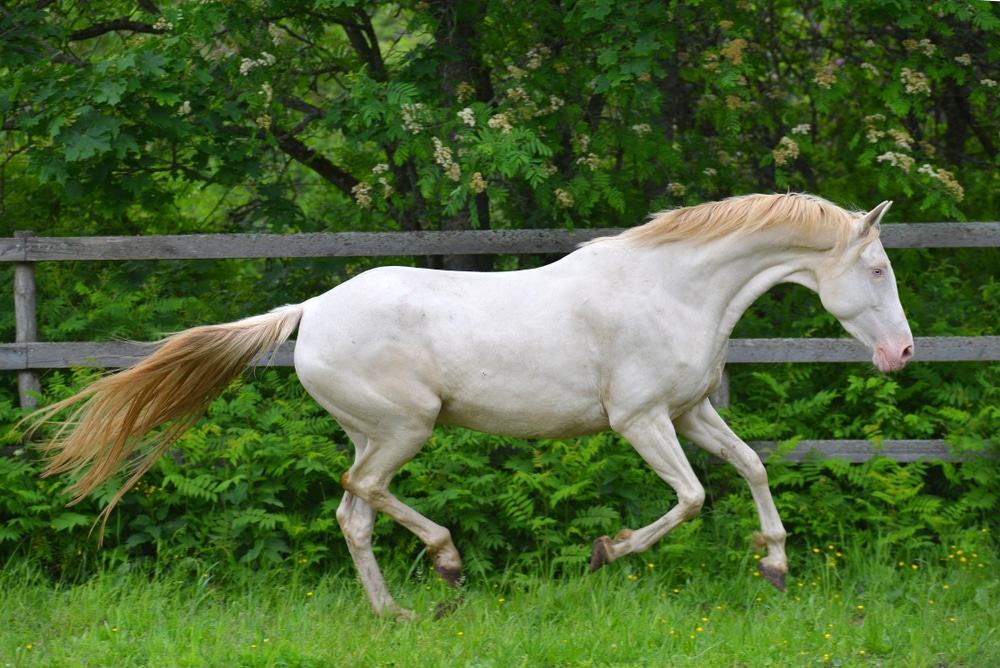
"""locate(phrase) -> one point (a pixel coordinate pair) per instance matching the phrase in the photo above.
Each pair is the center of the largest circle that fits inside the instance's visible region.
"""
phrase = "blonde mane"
(811, 219)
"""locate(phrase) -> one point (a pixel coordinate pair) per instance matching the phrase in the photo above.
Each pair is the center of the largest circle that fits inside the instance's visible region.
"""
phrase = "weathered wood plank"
(366, 244)
(861, 450)
(941, 235)
(926, 349)
(741, 351)
(908, 450)
(107, 354)
(340, 244)
(12, 250)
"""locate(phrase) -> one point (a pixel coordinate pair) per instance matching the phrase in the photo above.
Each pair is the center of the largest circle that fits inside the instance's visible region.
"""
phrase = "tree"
(287, 115)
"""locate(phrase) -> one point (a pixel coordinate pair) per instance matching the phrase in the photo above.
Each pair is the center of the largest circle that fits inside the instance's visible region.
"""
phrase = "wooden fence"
(26, 355)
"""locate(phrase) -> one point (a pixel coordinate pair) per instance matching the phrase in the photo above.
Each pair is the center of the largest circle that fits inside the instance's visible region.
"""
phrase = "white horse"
(627, 333)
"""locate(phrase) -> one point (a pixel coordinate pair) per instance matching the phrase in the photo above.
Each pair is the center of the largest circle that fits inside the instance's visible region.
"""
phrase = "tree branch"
(330, 172)
(365, 43)
(112, 26)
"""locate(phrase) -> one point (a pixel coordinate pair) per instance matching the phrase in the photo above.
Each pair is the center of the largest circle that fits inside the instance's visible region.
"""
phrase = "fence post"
(28, 382)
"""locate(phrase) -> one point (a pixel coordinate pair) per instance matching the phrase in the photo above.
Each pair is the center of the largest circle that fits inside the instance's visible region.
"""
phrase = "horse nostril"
(907, 353)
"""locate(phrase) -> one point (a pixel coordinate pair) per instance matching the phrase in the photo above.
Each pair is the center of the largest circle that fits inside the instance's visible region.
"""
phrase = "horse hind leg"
(357, 521)
(369, 480)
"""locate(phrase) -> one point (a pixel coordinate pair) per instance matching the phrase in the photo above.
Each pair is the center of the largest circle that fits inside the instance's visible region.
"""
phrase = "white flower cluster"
(563, 198)
(468, 117)
(443, 157)
(901, 138)
(278, 35)
(465, 91)
(537, 55)
(413, 115)
(802, 129)
(895, 159)
(946, 178)
(163, 24)
(873, 133)
(787, 150)
(531, 108)
(591, 160)
(826, 75)
(248, 64)
(362, 194)
(676, 189)
(924, 45)
(641, 129)
(478, 183)
(501, 121)
(516, 72)
(379, 169)
(915, 81)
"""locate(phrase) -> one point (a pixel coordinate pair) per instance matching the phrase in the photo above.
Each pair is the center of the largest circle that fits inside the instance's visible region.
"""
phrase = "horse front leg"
(703, 425)
(654, 438)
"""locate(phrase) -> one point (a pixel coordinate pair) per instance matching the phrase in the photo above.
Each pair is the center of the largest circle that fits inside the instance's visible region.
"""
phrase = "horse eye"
(877, 272)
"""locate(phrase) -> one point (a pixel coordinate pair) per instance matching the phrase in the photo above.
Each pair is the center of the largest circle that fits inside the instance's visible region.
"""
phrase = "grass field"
(847, 607)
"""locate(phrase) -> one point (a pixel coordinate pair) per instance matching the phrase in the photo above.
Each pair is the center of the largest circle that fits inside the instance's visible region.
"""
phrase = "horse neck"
(723, 277)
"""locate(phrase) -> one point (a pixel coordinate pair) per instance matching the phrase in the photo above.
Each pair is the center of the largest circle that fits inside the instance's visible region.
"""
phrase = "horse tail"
(116, 416)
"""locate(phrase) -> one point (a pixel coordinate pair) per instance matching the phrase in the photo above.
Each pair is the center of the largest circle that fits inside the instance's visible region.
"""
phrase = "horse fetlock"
(774, 543)
(397, 613)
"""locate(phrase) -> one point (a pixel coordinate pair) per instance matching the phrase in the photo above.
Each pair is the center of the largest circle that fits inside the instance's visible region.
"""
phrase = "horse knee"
(755, 473)
(690, 500)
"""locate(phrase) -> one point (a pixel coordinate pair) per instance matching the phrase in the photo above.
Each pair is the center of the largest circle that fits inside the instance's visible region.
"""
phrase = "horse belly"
(543, 414)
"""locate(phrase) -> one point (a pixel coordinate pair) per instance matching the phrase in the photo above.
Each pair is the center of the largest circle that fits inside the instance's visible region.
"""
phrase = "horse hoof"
(452, 576)
(600, 556)
(399, 614)
(772, 575)
(446, 608)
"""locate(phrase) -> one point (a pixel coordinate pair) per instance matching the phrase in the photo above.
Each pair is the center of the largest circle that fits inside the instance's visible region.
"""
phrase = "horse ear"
(874, 216)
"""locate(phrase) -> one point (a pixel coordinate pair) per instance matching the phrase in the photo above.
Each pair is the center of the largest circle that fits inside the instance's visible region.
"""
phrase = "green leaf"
(110, 91)
(68, 520)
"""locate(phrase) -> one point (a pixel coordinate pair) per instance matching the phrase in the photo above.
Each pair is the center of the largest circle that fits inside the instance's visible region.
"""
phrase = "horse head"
(857, 286)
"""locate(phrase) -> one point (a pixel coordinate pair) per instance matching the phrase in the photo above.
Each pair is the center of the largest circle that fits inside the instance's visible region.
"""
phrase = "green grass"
(847, 607)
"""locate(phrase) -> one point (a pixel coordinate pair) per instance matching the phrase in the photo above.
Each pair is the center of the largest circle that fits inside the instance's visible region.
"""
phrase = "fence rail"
(29, 248)
(26, 355)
